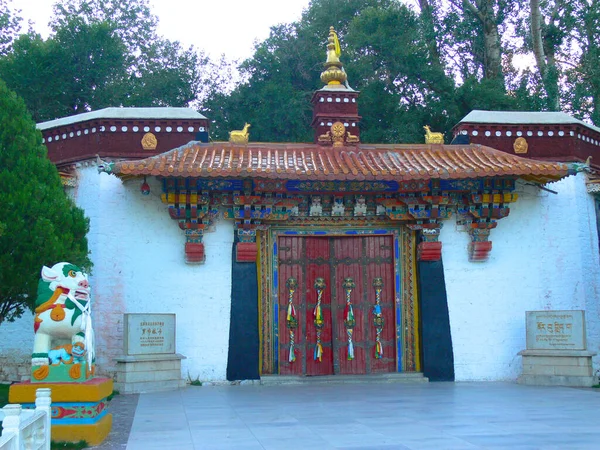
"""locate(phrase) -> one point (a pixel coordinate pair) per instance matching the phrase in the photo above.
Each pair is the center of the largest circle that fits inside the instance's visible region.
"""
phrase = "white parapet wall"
(544, 257)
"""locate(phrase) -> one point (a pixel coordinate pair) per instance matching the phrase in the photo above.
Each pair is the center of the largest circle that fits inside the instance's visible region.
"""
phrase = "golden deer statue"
(239, 136)
(433, 138)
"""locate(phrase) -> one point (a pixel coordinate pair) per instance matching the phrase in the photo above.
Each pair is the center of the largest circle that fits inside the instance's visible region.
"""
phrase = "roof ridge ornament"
(338, 136)
(240, 136)
(334, 73)
(433, 137)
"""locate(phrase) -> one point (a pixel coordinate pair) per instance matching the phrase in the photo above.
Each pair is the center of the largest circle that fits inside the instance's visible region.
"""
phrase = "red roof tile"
(361, 162)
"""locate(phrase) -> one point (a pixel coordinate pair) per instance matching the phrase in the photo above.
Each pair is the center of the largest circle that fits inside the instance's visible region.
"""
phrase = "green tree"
(160, 72)
(102, 53)
(582, 71)
(31, 70)
(546, 38)
(39, 225)
(393, 59)
(81, 67)
(10, 25)
(283, 73)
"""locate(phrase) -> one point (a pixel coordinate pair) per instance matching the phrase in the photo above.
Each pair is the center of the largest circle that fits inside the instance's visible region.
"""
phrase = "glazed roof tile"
(361, 162)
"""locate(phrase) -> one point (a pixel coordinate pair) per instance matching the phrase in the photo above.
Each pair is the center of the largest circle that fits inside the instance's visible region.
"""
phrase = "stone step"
(144, 387)
(412, 377)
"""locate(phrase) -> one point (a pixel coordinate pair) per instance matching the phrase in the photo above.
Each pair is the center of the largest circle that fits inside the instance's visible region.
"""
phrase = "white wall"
(16, 346)
(139, 267)
(544, 256)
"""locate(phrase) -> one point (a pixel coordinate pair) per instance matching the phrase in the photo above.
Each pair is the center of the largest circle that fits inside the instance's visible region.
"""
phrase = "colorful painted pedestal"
(79, 410)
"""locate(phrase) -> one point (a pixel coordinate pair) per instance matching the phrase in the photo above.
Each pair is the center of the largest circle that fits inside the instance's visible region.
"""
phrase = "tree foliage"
(39, 225)
(10, 25)
(101, 53)
(415, 63)
(415, 66)
(82, 67)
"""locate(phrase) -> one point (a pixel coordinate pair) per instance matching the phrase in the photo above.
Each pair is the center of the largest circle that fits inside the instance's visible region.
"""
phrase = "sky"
(218, 27)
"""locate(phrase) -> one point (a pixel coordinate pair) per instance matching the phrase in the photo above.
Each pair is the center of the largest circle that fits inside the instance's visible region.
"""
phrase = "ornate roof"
(349, 162)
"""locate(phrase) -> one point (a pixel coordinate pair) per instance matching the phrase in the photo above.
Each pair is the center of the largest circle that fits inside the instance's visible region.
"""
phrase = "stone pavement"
(440, 416)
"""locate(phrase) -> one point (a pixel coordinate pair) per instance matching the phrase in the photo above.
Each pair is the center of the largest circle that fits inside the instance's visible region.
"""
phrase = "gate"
(336, 305)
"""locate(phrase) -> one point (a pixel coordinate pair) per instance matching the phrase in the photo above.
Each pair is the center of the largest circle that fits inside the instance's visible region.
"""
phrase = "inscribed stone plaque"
(149, 334)
(556, 330)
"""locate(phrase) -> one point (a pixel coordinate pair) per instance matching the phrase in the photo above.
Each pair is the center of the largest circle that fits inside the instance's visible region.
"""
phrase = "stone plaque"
(149, 334)
(556, 330)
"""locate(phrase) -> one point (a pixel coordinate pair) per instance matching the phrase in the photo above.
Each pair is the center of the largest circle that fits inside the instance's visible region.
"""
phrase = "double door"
(336, 305)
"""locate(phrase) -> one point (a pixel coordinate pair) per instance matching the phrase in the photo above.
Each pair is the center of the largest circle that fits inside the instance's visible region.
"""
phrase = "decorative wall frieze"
(478, 204)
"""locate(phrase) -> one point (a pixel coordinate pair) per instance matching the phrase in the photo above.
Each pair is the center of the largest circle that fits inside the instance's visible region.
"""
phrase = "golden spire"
(334, 72)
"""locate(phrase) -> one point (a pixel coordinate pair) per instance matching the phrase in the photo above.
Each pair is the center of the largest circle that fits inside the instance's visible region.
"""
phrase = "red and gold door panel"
(336, 305)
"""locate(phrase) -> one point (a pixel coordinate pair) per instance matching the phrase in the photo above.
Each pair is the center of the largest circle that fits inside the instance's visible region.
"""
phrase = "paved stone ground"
(440, 416)
(122, 408)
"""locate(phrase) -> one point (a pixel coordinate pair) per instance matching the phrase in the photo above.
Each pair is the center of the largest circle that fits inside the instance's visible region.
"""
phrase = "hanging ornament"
(349, 321)
(291, 318)
(378, 319)
(145, 188)
(318, 314)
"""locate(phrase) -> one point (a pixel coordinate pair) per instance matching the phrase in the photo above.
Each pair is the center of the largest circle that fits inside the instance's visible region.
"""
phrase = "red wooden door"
(305, 260)
(342, 269)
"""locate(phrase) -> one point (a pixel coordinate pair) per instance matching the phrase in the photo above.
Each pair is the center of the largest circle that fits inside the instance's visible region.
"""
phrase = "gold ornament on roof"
(240, 136)
(352, 138)
(334, 73)
(338, 136)
(149, 142)
(520, 145)
(433, 138)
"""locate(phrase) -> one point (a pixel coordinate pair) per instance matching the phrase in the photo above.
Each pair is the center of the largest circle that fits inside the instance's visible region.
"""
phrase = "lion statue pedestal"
(63, 358)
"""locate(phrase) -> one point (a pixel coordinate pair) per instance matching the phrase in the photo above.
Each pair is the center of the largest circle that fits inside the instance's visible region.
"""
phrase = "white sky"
(215, 26)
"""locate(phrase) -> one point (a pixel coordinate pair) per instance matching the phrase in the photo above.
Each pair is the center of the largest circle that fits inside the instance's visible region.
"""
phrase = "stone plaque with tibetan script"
(149, 334)
(556, 330)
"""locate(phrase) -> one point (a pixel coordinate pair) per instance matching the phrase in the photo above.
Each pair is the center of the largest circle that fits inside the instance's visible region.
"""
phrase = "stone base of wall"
(557, 368)
(148, 373)
(15, 368)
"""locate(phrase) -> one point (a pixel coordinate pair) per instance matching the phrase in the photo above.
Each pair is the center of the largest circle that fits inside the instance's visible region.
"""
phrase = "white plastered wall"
(544, 256)
(139, 267)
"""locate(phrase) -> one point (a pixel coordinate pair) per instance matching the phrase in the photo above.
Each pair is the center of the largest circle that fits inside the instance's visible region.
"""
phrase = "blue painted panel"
(341, 186)
(461, 185)
(399, 338)
(219, 185)
(276, 336)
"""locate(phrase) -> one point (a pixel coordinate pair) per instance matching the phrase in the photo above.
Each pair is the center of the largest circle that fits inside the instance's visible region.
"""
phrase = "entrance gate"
(336, 305)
